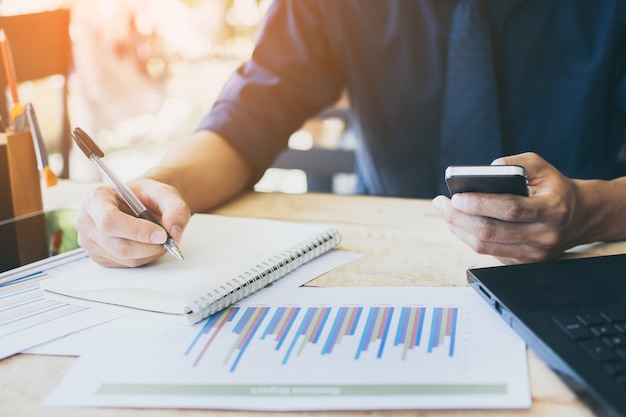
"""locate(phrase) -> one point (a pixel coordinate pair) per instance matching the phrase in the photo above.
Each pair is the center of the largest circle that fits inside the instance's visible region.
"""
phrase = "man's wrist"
(600, 210)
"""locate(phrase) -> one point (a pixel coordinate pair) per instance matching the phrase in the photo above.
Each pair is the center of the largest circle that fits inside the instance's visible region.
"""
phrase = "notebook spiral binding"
(263, 274)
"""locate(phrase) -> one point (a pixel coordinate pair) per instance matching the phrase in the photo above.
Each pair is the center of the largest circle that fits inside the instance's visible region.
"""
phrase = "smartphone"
(495, 179)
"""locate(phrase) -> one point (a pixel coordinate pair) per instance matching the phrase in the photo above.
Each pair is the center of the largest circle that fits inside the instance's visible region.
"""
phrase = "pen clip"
(86, 144)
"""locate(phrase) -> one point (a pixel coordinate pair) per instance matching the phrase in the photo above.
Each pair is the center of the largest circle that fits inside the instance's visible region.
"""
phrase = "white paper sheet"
(318, 349)
(28, 319)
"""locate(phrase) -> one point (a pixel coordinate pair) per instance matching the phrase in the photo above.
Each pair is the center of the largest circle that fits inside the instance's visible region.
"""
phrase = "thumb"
(167, 205)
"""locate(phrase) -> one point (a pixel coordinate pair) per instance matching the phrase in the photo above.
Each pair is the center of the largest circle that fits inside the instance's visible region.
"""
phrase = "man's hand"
(518, 229)
(115, 237)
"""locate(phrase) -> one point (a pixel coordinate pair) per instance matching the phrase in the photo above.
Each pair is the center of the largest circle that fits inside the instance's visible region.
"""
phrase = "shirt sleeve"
(290, 76)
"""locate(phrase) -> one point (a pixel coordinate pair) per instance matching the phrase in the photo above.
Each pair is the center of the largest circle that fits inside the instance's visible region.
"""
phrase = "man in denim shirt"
(560, 82)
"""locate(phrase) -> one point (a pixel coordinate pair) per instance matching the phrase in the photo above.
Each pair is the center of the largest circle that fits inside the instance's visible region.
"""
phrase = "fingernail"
(158, 237)
(458, 200)
(177, 232)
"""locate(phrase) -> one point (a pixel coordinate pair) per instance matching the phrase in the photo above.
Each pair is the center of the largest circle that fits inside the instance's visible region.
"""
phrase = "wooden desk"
(406, 243)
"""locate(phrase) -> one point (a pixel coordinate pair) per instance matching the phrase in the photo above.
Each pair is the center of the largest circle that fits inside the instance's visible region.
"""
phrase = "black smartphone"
(495, 179)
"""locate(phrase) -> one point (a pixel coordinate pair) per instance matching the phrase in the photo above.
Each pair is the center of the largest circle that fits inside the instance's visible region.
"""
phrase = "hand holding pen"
(95, 154)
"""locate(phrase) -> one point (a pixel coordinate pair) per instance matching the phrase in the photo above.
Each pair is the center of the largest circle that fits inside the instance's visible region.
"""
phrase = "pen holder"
(20, 181)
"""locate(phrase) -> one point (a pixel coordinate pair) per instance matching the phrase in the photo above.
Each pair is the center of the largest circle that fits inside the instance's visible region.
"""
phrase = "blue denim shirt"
(561, 81)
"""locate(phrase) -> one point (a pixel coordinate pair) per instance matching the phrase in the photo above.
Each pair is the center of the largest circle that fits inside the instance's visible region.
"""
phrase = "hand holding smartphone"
(494, 179)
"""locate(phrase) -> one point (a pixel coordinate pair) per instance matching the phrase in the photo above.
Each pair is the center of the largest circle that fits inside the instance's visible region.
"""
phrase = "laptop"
(572, 313)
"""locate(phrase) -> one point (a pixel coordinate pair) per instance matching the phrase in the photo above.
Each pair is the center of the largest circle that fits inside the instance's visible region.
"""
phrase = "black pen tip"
(85, 143)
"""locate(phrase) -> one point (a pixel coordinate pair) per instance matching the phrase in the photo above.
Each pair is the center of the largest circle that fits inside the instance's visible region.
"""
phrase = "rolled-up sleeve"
(290, 76)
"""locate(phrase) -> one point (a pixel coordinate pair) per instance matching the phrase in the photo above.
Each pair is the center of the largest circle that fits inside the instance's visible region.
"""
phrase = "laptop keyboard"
(602, 336)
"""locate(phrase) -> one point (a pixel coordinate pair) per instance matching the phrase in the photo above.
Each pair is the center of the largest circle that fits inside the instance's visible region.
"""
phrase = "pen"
(95, 154)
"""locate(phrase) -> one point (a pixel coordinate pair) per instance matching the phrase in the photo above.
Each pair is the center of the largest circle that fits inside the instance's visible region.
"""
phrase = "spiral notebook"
(226, 259)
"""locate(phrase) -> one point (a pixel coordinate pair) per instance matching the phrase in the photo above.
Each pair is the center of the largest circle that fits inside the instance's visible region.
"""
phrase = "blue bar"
(244, 319)
(453, 332)
(306, 322)
(334, 331)
(385, 332)
(367, 333)
(402, 324)
(274, 322)
(296, 311)
(434, 328)
(264, 311)
(356, 320)
(34, 275)
(322, 324)
(420, 326)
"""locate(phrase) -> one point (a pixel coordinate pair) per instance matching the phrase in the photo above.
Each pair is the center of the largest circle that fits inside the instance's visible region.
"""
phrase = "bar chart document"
(333, 348)
(28, 319)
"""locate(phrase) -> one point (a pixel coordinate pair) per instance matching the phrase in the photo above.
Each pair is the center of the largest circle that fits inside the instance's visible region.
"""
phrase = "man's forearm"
(205, 169)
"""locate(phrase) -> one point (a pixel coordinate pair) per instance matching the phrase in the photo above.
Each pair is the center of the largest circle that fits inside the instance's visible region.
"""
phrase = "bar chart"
(286, 333)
